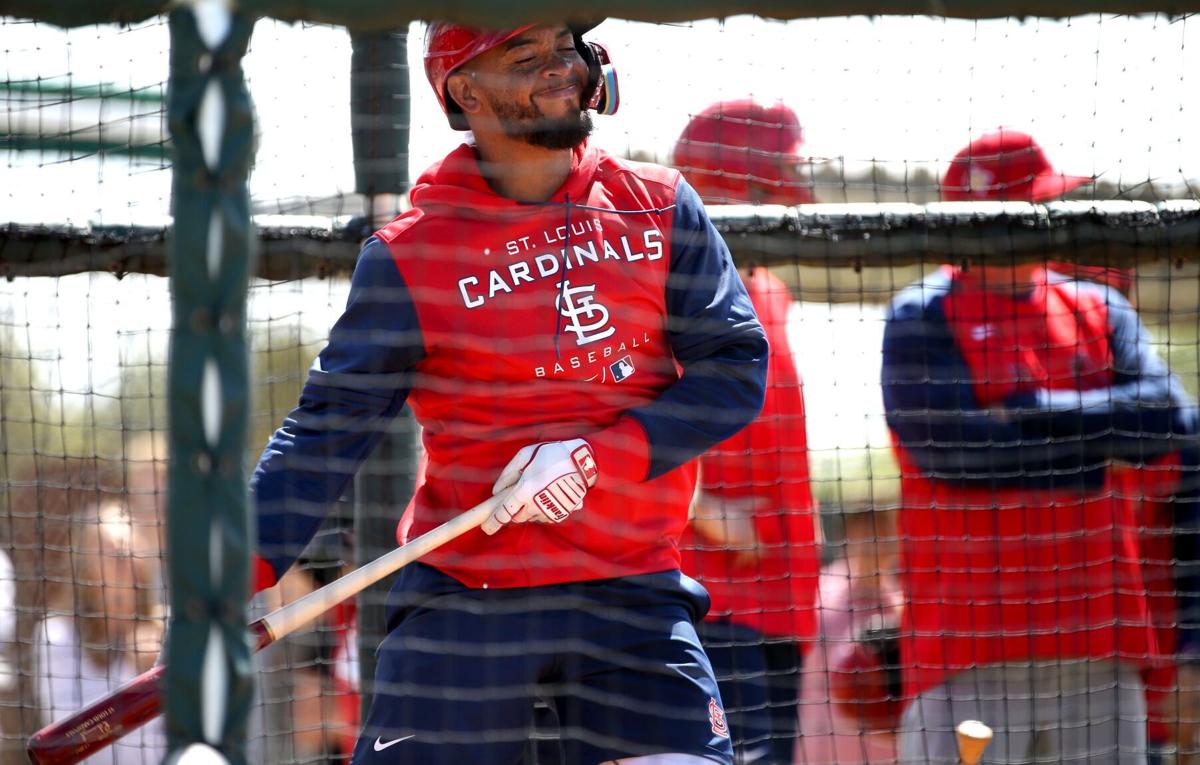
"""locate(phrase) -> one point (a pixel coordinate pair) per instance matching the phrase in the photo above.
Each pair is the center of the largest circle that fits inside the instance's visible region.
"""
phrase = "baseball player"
(1011, 391)
(752, 542)
(570, 331)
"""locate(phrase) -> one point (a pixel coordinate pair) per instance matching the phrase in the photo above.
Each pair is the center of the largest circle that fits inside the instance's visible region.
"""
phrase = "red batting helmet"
(744, 152)
(864, 677)
(448, 46)
(1005, 165)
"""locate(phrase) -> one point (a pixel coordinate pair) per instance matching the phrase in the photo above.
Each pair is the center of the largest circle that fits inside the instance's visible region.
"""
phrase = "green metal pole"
(379, 114)
(208, 679)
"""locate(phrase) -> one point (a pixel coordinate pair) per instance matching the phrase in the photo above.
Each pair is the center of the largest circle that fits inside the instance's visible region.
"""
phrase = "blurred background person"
(745, 152)
(46, 493)
(312, 674)
(1010, 391)
(850, 695)
(105, 640)
(753, 541)
(1162, 493)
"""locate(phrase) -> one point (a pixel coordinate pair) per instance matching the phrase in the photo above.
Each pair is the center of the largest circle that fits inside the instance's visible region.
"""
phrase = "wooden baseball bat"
(973, 738)
(138, 701)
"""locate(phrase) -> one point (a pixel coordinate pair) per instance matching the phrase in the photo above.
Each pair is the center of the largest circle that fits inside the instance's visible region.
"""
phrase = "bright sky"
(1107, 95)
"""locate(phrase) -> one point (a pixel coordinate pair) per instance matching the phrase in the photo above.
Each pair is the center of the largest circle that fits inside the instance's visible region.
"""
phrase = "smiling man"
(570, 331)
(547, 117)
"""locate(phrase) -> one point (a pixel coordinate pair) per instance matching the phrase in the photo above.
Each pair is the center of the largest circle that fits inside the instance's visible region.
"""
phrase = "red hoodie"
(611, 312)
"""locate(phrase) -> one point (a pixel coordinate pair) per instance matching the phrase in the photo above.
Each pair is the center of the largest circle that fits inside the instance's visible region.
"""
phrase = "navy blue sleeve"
(931, 405)
(1137, 418)
(716, 338)
(356, 386)
(1046, 439)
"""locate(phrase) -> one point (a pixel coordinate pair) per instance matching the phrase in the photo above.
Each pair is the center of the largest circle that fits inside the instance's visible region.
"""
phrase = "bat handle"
(72, 740)
(132, 705)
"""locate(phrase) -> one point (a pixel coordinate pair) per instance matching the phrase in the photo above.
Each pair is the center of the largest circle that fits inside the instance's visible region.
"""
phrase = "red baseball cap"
(1005, 165)
(744, 152)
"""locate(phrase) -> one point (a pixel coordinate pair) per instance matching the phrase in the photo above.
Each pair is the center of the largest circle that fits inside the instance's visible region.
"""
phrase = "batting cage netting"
(927, 436)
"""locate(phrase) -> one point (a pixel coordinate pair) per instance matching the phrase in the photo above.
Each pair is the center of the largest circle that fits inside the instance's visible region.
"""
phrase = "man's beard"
(526, 123)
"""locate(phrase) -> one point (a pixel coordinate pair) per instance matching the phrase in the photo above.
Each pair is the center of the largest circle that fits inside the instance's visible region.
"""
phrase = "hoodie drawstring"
(562, 286)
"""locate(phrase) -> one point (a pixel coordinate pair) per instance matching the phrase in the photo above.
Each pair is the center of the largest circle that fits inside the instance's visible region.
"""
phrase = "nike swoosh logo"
(380, 744)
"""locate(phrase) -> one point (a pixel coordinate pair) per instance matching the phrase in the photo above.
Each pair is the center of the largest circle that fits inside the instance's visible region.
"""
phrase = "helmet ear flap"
(604, 95)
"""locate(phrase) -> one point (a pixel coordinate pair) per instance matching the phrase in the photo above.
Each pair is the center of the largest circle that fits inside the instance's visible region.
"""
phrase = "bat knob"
(973, 738)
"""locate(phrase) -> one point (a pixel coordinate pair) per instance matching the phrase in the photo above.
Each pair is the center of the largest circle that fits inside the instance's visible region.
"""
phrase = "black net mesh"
(976, 470)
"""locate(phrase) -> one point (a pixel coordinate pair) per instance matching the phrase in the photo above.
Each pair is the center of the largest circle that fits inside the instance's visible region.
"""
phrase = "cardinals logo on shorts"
(716, 716)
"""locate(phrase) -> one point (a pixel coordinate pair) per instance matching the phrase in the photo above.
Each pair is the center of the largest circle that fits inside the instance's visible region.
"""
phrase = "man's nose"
(559, 65)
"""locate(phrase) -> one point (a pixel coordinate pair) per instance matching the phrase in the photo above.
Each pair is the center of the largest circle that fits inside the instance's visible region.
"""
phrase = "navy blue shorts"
(759, 677)
(618, 660)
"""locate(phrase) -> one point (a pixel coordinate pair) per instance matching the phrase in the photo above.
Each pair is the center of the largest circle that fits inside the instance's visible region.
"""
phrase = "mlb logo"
(621, 368)
(586, 463)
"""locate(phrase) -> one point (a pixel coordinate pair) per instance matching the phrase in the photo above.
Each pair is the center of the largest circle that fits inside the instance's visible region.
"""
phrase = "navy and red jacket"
(1009, 413)
(611, 312)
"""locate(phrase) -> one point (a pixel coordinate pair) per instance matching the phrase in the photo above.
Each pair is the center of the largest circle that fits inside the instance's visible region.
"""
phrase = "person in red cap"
(745, 152)
(571, 333)
(752, 542)
(1011, 391)
(1005, 165)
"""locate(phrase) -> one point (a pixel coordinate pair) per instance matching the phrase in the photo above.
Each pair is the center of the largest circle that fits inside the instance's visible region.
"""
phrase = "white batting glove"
(548, 482)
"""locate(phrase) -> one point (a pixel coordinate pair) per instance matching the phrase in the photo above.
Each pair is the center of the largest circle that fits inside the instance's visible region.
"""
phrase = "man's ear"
(462, 90)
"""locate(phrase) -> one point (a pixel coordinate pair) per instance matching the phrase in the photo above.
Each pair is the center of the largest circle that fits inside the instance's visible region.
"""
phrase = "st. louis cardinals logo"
(716, 716)
(585, 317)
